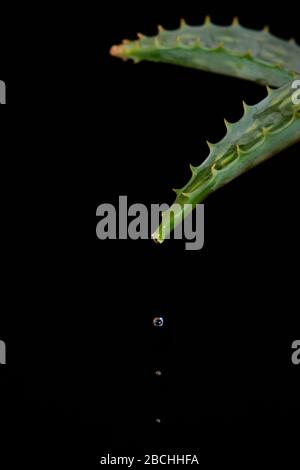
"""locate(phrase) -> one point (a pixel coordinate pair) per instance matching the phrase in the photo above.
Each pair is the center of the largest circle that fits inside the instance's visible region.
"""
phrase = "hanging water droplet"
(158, 321)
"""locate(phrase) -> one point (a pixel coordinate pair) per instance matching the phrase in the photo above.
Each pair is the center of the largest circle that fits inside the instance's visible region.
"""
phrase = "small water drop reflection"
(158, 322)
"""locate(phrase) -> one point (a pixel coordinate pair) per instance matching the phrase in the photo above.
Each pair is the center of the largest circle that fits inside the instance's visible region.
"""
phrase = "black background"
(83, 128)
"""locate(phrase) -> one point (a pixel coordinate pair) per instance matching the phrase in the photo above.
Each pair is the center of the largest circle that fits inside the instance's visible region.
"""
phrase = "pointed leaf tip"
(227, 124)
(235, 21)
(176, 191)
(193, 169)
(207, 20)
(245, 106)
(183, 23)
(117, 51)
(209, 144)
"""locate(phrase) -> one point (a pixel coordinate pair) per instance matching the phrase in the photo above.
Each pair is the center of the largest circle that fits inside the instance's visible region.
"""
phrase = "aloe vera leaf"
(264, 130)
(230, 50)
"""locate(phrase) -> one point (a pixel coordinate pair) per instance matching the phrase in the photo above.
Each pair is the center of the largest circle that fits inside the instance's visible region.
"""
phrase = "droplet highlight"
(158, 322)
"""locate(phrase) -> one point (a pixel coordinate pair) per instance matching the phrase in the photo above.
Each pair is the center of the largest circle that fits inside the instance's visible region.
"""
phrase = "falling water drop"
(158, 322)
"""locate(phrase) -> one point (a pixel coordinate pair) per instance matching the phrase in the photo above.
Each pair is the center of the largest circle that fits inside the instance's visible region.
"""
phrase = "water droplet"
(158, 321)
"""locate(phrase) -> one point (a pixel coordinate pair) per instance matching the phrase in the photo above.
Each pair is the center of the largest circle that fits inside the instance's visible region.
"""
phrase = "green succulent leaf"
(265, 128)
(230, 50)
